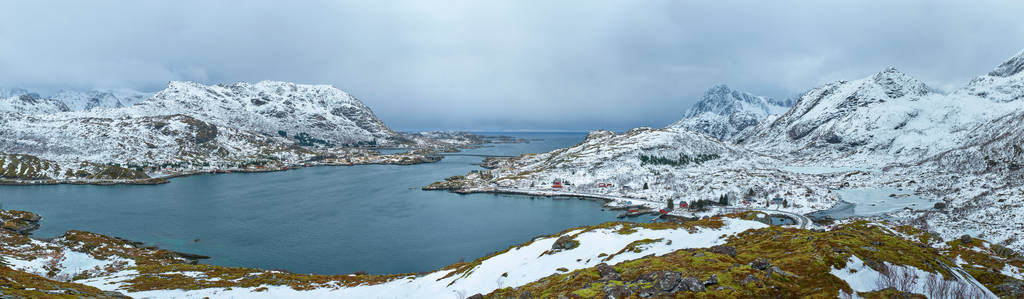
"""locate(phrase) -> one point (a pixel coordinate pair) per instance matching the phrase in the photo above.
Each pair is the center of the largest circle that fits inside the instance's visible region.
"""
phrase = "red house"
(684, 205)
(557, 184)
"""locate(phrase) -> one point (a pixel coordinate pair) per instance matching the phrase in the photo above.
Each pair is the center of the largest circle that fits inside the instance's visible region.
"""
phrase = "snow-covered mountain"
(1003, 84)
(86, 100)
(195, 127)
(70, 99)
(315, 114)
(885, 118)
(656, 165)
(13, 92)
(723, 112)
(30, 103)
(151, 140)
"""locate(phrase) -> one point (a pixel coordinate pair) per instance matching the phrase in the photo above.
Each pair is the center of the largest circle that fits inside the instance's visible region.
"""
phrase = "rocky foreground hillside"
(731, 256)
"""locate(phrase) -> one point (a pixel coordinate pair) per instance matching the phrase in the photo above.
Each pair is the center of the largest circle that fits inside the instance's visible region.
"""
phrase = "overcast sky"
(486, 65)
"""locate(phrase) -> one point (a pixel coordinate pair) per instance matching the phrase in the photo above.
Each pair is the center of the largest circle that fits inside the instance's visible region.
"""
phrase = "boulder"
(965, 239)
(777, 270)
(713, 280)
(607, 272)
(664, 281)
(724, 249)
(20, 222)
(617, 291)
(565, 243)
(750, 279)
(691, 284)
(760, 264)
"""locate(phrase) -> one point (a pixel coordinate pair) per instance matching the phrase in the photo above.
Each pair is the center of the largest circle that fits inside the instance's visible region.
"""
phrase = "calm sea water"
(326, 220)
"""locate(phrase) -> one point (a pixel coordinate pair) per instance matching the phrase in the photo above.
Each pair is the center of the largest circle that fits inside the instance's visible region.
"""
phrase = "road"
(801, 220)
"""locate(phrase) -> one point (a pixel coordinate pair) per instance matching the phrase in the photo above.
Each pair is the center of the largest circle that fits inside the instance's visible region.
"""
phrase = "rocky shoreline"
(402, 159)
(417, 155)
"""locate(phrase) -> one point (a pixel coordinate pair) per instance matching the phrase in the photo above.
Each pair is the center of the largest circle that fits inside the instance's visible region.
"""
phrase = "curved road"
(801, 220)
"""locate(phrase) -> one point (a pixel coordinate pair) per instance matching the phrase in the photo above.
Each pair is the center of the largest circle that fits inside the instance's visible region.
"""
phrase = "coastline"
(404, 160)
(621, 202)
(413, 156)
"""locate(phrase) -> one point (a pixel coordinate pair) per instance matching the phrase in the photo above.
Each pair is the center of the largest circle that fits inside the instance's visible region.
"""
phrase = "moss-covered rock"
(20, 222)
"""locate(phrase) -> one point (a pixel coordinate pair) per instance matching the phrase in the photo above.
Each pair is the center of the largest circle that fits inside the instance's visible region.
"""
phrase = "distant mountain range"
(75, 100)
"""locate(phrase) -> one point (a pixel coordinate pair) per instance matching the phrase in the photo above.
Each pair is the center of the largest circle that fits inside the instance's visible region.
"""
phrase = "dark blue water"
(326, 220)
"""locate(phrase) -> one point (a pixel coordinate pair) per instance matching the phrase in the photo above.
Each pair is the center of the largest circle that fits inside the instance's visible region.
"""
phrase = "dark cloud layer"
(505, 64)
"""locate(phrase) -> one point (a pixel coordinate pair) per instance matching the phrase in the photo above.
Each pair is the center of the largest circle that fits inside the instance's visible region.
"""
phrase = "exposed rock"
(723, 288)
(692, 284)
(20, 222)
(724, 249)
(965, 239)
(565, 243)
(713, 280)
(666, 281)
(776, 270)
(1013, 289)
(760, 264)
(750, 279)
(525, 295)
(617, 291)
(607, 272)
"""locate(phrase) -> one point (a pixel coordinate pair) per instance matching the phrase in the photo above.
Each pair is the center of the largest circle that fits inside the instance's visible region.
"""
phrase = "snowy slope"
(723, 112)
(1003, 84)
(885, 118)
(87, 100)
(12, 92)
(30, 103)
(153, 140)
(674, 164)
(269, 107)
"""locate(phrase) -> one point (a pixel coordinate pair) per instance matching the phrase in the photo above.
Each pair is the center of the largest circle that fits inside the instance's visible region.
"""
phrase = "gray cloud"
(505, 64)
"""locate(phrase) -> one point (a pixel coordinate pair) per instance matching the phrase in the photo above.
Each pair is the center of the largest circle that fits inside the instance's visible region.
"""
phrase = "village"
(670, 209)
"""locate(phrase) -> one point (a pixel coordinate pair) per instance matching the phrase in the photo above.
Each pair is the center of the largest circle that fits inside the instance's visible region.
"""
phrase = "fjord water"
(326, 220)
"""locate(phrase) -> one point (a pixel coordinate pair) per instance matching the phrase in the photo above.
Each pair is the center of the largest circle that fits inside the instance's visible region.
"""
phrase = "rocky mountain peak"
(723, 112)
(1010, 67)
(896, 83)
(722, 100)
(31, 103)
